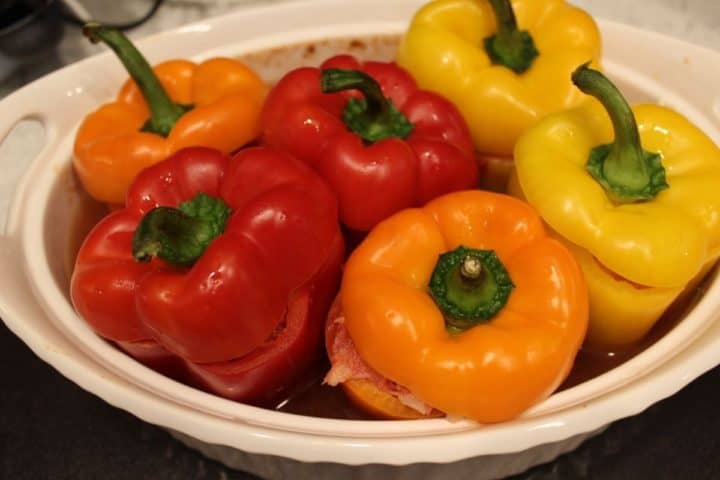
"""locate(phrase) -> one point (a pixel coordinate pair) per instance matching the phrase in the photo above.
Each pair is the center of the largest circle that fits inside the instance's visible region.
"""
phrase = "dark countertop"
(52, 429)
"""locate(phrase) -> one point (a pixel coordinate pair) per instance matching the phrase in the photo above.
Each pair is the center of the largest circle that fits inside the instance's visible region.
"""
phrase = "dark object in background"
(29, 27)
(126, 25)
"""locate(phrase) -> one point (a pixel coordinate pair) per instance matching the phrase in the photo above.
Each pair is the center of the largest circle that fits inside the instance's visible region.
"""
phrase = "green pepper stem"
(504, 16)
(626, 171)
(164, 113)
(510, 47)
(337, 80)
(374, 117)
(180, 235)
(469, 286)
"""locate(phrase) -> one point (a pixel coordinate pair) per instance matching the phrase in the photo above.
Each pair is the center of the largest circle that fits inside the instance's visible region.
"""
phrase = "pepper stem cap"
(373, 117)
(180, 235)
(470, 287)
(510, 46)
(626, 171)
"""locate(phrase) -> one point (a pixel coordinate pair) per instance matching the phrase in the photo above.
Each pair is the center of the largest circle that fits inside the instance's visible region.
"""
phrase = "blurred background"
(38, 36)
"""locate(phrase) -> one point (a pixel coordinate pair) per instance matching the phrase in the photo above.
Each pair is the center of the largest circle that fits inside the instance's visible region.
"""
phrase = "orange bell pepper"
(482, 332)
(159, 111)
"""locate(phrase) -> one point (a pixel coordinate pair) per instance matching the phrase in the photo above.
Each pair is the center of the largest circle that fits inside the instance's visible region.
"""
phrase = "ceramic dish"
(36, 243)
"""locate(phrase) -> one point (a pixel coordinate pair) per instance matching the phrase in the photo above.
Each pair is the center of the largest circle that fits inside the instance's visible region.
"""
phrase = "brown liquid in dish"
(310, 397)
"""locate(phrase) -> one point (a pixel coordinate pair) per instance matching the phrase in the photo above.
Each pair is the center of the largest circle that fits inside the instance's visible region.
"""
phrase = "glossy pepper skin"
(111, 148)
(495, 370)
(637, 257)
(371, 179)
(248, 315)
(443, 50)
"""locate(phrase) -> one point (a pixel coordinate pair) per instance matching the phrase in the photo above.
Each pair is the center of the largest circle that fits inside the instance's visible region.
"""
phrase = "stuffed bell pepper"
(157, 112)
(226, 266)
(381, 143)
(505, 64)
(465, 307)
(634, 194)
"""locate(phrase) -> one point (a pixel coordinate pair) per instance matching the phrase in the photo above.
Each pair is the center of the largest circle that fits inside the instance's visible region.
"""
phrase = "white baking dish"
(33, 250)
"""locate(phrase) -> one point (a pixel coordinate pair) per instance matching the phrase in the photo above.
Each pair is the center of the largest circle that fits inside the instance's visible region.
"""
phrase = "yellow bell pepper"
(643, 226)
(446, 50)
(468, 304)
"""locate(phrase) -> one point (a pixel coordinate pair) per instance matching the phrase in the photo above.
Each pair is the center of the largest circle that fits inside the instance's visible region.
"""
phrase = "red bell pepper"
(381, 143)
(227, 263)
